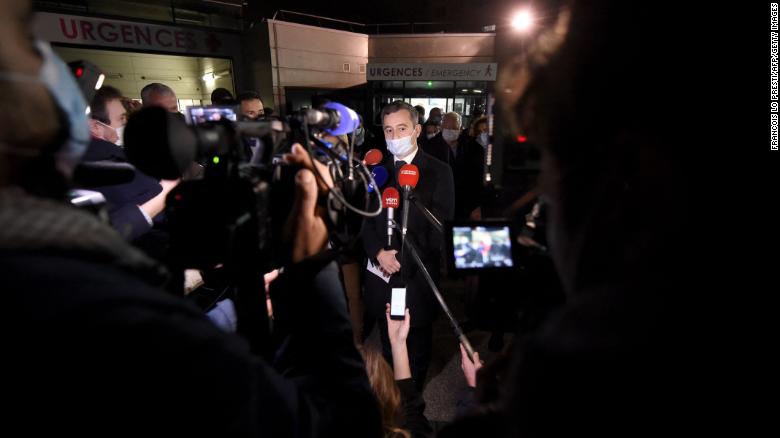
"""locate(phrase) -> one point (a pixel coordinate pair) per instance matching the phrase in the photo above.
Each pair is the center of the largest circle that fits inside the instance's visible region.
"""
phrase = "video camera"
(243, 153)
(228, 217)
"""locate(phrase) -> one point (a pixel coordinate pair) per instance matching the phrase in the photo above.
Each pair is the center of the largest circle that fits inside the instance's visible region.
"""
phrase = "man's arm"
(130, 221)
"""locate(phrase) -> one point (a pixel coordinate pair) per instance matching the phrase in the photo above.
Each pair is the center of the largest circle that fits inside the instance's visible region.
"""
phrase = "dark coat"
(435, 191)
(99, 351)
(123, 199)
(468, 169)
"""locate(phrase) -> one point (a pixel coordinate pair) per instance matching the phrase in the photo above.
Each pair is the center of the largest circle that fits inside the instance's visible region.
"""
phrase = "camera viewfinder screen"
(482, 247)
(201, 114)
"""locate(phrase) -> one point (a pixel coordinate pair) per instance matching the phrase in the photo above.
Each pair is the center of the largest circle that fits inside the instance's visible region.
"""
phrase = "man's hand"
(397, 329)
(305, 226)
(387, 261)
(156, 205)
(268, 279)
(470, 369)
(169, 184)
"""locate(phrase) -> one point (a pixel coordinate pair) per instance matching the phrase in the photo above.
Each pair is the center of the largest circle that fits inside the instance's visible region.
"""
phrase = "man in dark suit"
(132, 206)
(467, 159)
(435, 190)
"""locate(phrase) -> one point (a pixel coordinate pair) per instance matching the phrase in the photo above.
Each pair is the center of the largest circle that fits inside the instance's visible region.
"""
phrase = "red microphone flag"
(408, 175)
(390, 198)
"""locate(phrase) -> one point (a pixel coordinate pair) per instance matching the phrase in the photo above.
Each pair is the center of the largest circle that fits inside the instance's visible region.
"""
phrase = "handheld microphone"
(373, 157)
(159, 143)
(390, 202)
(335, 118)
(408, 176)
(380, 178)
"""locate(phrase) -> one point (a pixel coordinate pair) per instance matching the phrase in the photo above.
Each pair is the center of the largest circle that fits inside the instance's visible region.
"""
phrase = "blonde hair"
(388, 396)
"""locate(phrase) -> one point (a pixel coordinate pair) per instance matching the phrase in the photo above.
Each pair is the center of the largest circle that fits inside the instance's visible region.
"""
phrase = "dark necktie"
(398, 165)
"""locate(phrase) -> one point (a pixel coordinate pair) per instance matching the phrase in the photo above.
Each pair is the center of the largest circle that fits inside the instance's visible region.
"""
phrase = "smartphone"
(398, 303)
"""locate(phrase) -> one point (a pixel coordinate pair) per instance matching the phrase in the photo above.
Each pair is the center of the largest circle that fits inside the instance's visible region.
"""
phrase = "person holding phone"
(394, 387)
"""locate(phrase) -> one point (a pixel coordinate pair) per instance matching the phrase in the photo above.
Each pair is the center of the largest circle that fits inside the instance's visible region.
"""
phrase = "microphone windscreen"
(408, 175)
(390, 198)
(373, 157)
(380, 177)
(159, 144)
(348, 119)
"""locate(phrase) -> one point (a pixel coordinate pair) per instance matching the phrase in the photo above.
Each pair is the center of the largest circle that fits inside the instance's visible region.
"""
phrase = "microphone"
(408, 176)
(334, 118)
(390, 202)
(373, 157)
(380, 178)
(159, 144)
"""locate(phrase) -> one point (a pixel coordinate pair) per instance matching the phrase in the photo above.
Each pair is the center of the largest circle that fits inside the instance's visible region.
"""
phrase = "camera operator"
(106, 353)
(251, 105)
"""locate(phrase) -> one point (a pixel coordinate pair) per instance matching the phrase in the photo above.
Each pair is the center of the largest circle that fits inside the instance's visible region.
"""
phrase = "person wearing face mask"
(132, 206)
(435, 190)
(479, 131)
(251, 105)
(470, 171)
(108, 115)
(466, 159)
(430, 129)
(94, 320)
(444, 144)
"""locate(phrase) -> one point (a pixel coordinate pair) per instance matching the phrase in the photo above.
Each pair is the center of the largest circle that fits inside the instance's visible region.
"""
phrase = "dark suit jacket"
(435, 190)
(123, 199)
(469, 170)
(437, 148)
(468, 167)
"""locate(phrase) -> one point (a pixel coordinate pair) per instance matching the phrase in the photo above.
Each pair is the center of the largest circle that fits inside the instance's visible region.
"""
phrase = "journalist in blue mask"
(49, 83)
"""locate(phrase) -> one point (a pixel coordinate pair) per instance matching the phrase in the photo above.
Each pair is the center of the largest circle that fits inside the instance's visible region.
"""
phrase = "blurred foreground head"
(32, 127)
(586, 85)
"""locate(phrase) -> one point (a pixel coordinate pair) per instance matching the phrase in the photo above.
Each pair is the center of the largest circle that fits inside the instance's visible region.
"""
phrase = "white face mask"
(430, 136)
(400, 147)
(450, 134)
(116, 131)
(120, 131)
(483, 139)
